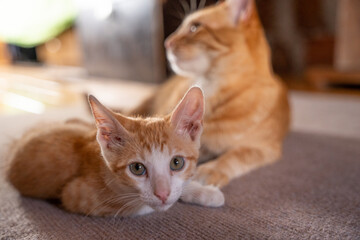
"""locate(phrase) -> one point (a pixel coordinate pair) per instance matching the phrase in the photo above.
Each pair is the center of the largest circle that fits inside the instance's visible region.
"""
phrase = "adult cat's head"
(227, 37)
(151, 157)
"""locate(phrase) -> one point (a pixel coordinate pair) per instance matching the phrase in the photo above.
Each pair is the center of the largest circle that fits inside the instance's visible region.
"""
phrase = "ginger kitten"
(128, 166)
(223, 49)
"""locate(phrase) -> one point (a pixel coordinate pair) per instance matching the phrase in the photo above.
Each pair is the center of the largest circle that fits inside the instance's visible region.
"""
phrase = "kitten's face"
(156, 165)
(206, 37)
(151, 158)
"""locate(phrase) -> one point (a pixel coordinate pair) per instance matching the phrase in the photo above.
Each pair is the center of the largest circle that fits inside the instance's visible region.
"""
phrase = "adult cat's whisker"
(202, 4)
(193, 6)
(185, 7)
(176, 14)
(180, 16)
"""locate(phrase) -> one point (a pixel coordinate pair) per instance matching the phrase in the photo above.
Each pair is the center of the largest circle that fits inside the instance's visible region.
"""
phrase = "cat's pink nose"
(162, 195)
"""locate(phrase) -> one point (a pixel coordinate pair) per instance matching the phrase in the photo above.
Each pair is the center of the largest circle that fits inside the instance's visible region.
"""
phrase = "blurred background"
(55, 52)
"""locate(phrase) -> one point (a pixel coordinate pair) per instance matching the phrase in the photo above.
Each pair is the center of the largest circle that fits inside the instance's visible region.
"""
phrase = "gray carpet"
(312, 193)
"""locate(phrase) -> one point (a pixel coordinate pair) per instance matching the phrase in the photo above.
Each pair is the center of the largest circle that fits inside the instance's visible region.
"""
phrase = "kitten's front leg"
(208, 196)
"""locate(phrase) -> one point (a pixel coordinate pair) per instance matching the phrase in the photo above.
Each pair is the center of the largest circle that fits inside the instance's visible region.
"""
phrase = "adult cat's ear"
(110, 131)
(187, 117)
(240, 10)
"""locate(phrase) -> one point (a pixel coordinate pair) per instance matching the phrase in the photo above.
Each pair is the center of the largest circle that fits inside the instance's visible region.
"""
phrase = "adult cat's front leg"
(209, 196)
(232, 164)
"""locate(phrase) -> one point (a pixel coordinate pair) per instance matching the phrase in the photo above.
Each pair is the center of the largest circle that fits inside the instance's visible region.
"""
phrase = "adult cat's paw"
(210, 174)
(208, 196)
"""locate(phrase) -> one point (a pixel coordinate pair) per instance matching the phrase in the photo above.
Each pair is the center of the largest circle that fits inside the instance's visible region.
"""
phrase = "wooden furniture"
(346, 67)
(323, 77)
(347, 49)
(4, 55)
(62, 50)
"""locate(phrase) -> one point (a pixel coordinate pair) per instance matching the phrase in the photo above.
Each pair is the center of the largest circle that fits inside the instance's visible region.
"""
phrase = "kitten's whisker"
(101, 204)
(107, 183)
(123, 209)
(104, 205)
(125, 206)
(118, 211)
(123, 197)
(113, 200)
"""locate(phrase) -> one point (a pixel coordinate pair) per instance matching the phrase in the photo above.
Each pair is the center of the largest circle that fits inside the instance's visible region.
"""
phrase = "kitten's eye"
(137, 169)
(177, 163)
(194, 27)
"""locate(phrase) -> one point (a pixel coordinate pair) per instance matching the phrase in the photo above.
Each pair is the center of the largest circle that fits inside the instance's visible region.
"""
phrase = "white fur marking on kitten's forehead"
(160, 160)
(156, 159)
(156, 154)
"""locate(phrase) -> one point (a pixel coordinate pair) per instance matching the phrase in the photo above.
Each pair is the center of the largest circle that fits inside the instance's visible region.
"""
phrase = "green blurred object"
(28, 23)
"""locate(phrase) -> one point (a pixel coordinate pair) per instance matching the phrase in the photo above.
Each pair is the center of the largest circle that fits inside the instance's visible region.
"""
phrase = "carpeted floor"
(312, 193)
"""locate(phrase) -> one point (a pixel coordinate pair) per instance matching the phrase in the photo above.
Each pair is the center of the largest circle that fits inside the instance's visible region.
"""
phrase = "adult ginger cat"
(223, 49)
(128, 166)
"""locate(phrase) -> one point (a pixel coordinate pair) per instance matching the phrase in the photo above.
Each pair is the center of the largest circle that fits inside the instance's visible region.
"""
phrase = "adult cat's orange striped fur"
(128, 166)
(223, 49)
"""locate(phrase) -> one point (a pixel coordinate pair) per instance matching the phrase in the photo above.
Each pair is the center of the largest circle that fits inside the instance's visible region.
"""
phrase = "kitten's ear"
(110, 131)
(240, 10)
(188, 115)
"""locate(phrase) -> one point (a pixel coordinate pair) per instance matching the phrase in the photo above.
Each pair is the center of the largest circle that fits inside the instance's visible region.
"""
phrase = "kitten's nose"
(162, 195)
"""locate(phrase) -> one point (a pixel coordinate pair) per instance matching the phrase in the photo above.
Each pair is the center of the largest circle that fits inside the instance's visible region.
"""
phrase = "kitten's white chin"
(146, 209)
(193, 67)
(162, 207)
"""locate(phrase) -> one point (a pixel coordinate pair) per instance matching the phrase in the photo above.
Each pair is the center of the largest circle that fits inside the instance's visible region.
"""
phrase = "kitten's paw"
(212, 197)
(210, 174)
(208, 196)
